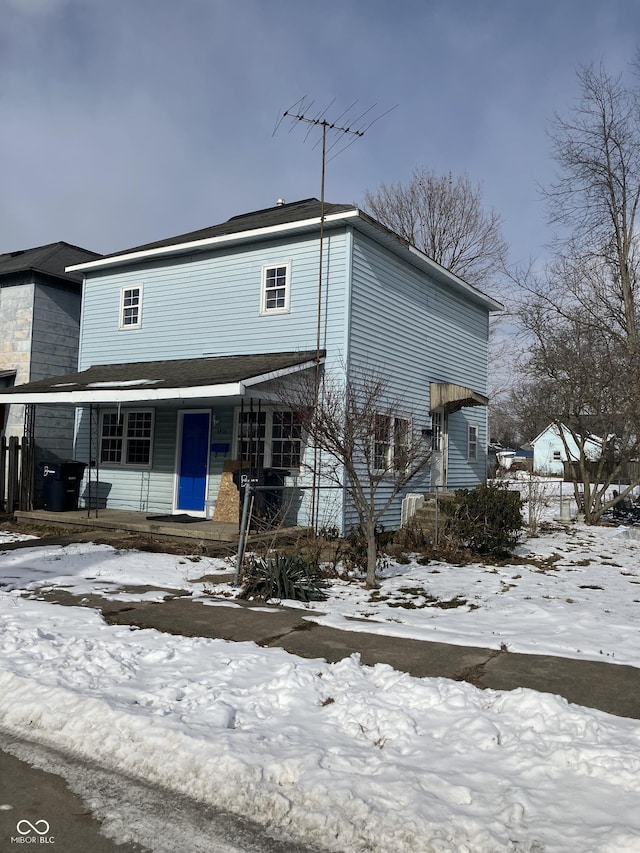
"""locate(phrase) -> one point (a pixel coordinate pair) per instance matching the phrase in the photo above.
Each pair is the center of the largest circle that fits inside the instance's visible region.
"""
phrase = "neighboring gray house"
(550, 450)
(182, 341)
(39, 329)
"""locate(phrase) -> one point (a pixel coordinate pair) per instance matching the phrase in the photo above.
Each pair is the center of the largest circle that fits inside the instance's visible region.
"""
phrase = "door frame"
(178, 460)
(439, 420)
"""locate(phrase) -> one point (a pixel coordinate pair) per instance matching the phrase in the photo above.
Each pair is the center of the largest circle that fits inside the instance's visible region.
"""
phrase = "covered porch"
(161, 440)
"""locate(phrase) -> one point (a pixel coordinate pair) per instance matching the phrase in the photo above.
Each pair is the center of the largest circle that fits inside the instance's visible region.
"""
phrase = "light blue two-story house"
(184, 342)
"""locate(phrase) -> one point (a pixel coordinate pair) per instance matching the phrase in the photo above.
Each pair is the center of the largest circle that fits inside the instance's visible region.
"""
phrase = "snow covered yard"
(348, 757)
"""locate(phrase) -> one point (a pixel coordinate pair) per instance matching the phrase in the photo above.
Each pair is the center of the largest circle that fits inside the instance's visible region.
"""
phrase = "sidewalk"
(608, 687)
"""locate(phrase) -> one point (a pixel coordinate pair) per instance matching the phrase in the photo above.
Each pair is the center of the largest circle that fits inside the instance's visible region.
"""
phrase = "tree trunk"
(372, 555)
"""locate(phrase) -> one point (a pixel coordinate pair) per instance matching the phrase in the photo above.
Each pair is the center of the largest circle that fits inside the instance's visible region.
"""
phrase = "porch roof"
(454, 397)
(173, 379)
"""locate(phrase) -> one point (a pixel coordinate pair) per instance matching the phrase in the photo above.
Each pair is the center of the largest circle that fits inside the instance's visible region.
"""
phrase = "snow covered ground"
(348, 757)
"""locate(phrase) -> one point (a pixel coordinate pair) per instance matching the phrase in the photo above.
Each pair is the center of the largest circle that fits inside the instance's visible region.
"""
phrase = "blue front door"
(194, 459)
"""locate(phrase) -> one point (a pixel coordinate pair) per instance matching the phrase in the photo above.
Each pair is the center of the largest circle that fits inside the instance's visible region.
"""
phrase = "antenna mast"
(354, 130)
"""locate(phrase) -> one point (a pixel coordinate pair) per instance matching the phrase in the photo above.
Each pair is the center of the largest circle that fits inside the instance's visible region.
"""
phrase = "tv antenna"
(346, 132)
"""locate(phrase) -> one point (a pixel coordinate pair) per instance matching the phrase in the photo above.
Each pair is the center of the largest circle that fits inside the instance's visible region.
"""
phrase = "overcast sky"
(126, 121)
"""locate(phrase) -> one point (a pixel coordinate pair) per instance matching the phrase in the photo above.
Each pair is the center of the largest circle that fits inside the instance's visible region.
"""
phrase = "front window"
(286, 440)
(270, 439)
(126, 438)
(251, 436)
(130, 307)
(275, 289)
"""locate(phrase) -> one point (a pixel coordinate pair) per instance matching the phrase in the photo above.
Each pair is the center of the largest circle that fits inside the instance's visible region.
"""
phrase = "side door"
(439, 449)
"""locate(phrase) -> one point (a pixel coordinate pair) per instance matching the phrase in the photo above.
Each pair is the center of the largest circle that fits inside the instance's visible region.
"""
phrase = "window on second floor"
(275, 289)
(131, 307)
(126, 437)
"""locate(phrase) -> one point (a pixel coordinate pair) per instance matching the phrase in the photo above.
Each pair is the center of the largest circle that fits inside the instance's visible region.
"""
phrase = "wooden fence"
(10, 473)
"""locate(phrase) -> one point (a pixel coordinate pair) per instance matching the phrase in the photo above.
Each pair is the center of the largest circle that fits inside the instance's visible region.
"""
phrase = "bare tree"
(586, 382)
(445, 217)
(597, 148)
(365, 446)
(582, 309)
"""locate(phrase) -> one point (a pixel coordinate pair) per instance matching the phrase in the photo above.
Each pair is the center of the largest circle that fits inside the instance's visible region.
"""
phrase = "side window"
(391, 442)
(472, 443)
(276, 288)
(381, 442)
(131, 307)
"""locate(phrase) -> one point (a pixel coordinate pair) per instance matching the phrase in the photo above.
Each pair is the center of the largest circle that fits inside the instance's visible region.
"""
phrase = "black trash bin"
(268, 491)
(272, 479)
(61, 485)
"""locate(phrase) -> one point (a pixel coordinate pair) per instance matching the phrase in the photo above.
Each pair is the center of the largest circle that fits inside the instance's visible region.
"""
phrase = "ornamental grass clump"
(283, 576)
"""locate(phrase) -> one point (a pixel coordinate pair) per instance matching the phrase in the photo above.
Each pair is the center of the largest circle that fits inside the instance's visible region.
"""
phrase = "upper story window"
(131, 307)
(472, 443)
(275, 289)
(126, 437)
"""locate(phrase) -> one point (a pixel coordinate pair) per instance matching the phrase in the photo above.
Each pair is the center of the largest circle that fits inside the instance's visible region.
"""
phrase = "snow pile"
(348, 757)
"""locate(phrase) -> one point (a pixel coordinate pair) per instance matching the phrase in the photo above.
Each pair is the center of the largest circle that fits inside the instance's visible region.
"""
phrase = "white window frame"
(264, 290)
(268, 439)
(123, 415)
(473, 439)
(386, 446)
(124, 307)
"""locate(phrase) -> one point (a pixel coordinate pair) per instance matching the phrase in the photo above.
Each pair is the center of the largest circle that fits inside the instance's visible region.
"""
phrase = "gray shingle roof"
(279, 215)
(50, 259)
(173, 373)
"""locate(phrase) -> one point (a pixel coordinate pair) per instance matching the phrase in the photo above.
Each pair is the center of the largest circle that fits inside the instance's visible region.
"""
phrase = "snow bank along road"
(343, 756)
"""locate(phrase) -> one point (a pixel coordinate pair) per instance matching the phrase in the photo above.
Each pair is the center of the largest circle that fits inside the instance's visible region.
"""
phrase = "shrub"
(283, 576)
(487, 519)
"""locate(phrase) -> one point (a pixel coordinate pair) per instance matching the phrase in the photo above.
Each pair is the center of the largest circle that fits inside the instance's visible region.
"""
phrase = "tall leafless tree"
(595, 200)
(446, 218)
(365, 447)
(582, 309)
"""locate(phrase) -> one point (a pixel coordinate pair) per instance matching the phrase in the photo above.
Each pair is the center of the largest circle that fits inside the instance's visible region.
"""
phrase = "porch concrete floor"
(139, 522)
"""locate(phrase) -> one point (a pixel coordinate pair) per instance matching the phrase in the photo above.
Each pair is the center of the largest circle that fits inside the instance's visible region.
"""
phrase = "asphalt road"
(48, 798)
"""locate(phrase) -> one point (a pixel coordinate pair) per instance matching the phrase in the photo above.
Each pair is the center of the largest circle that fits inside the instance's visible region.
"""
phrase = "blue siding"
(210, 305)
(416, 330)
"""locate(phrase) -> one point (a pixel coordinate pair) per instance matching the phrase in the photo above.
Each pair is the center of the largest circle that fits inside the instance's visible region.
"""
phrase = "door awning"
(452, 397)
(149, 381)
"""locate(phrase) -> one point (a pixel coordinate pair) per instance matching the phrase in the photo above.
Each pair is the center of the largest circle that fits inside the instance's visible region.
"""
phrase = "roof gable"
(51, 259)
